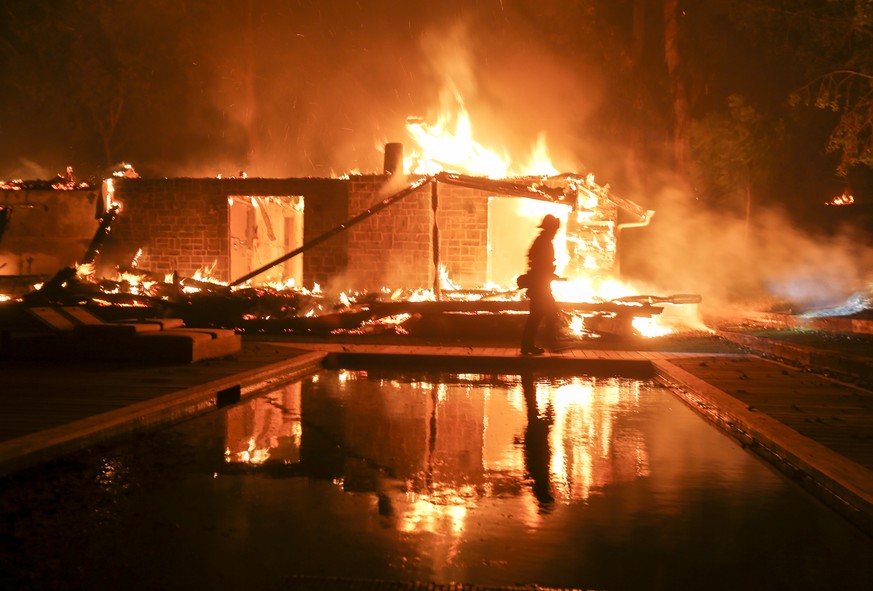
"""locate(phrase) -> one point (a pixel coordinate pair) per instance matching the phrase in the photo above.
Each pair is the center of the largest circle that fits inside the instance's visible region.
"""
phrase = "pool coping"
(148, 415)
(842, 484)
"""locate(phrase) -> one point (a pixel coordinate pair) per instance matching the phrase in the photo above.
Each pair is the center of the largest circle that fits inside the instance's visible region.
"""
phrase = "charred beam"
(541, 192)
(434, 205)
(53, 288)
(5, 215)
(630, 206)
(382, 309)
(101, 234)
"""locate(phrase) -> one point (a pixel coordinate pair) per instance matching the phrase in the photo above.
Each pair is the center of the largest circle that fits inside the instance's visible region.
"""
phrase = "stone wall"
(394, 248)
(462, 217)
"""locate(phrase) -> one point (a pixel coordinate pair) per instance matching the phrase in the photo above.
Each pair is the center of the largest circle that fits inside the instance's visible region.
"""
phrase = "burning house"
(441, 233)
(45, 225)
(456, 240)
(364, 232)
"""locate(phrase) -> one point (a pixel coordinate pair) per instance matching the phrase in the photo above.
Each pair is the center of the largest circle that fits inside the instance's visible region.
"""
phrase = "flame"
(85, 270)
(844, 199)
(109, 193)
(205, 273)
(448, 144)
(540, 163)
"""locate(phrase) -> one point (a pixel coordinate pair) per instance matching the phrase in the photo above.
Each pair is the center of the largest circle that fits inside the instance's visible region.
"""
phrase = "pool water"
(558, 481)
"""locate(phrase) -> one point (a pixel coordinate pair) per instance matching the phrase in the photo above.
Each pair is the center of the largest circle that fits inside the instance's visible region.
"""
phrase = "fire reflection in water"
(265, 428)
(433, 449)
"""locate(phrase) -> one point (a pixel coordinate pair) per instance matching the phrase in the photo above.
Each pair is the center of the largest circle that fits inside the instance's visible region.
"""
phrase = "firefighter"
(538, 282)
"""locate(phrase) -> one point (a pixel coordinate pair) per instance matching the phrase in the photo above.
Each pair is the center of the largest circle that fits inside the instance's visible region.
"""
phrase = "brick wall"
(182, 224)
(463, 222)
(394, 248)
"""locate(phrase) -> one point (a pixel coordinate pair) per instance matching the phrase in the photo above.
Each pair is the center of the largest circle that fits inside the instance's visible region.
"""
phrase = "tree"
(733, 152)
(678, 90)
(82, 70)
(832, 42)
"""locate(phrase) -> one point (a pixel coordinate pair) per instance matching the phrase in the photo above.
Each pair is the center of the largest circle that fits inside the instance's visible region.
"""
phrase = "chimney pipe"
(393, 158)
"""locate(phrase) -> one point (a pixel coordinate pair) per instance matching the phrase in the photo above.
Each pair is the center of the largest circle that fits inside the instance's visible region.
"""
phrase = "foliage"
(733, 150)
(832, 42)
(80, 65)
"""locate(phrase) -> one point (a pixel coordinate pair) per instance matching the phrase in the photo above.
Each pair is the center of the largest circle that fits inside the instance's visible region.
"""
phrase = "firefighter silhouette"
(538, 282)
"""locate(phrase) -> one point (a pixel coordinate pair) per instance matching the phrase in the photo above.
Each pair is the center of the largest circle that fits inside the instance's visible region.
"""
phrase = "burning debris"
(846, 198)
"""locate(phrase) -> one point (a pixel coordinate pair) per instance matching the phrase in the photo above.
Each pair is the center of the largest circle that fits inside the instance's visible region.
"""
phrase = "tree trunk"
(681, 109)
(250, 114)
(636, 142)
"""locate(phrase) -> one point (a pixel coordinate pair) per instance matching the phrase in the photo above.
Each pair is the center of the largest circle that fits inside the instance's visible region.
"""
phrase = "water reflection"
(432, 447)
(266, 428)
(537, 452)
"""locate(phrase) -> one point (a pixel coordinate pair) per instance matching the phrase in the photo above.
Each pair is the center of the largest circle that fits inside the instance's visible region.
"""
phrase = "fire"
(109, 193)
(586, 258)
(448, 144)
(844, 199)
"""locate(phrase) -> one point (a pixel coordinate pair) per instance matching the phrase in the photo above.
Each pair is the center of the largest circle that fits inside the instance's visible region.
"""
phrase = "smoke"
(24, 168)
(691, 249)
(285, 92)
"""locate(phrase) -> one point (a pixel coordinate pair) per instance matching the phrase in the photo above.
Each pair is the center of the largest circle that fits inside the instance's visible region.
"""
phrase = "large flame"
(448, 144)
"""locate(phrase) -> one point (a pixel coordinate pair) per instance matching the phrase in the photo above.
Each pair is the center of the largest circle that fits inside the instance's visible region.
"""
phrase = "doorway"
(512, 226)
(263, 229)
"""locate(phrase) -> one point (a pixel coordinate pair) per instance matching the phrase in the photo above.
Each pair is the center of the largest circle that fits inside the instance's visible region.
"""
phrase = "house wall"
(47, 229)
(394, 248)
(182, 225)
(462, 217)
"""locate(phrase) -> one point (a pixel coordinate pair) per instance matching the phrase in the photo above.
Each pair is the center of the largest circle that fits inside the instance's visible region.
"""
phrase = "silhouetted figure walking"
(538, 281)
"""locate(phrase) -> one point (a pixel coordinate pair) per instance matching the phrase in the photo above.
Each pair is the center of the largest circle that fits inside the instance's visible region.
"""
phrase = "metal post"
(434, 205)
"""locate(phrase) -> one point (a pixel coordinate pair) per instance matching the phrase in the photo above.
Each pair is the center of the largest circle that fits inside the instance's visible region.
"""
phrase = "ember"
(844, 199)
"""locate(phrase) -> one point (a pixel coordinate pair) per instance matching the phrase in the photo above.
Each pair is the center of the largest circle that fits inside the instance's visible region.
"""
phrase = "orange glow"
(448, 144)
(585, 246)
(844, 199)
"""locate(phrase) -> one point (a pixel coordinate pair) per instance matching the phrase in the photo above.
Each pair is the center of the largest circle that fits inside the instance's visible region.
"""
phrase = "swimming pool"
(489, 479)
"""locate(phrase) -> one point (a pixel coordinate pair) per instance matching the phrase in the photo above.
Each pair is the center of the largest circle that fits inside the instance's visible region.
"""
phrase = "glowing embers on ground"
(433, 451)
(846, 198)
